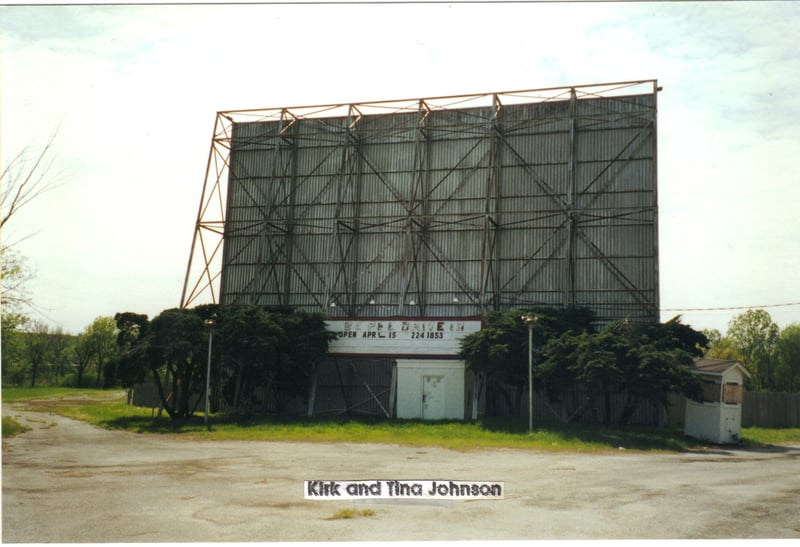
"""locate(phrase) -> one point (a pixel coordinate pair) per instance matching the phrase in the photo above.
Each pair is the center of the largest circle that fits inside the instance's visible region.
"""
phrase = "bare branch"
(23, 181)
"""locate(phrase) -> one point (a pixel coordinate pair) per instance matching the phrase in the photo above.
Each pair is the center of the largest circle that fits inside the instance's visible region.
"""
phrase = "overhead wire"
(728, 308)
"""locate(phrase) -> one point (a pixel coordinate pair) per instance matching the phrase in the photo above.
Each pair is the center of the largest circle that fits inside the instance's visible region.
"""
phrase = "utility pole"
(210, 324)
(530, 320)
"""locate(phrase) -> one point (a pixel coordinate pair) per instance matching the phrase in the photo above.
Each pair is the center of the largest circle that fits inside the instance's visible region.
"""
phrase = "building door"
(733, 421)
(432, 397)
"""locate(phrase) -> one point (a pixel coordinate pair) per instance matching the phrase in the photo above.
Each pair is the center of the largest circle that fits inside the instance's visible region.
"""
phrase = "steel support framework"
(446, 206)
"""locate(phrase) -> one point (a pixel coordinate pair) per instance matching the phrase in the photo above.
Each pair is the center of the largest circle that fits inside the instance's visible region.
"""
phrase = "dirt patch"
(76, 483)
(44, 404)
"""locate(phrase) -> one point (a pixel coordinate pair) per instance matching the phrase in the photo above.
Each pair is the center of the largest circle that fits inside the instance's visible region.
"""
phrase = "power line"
(733, 307)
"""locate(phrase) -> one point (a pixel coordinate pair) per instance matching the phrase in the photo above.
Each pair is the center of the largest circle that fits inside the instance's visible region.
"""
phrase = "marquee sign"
(400, 337)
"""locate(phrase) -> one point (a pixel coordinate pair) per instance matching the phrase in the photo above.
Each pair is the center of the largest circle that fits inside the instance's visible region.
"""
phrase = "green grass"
(12, 427)
(456, 435)
(764, 436)
(351, 513)
(461, 436)
(108, 409)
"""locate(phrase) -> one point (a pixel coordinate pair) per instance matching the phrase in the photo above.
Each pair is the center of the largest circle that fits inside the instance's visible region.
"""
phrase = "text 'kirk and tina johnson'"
(330, 489)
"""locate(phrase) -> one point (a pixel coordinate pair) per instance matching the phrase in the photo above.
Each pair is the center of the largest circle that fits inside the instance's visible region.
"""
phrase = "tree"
(787, 372)
(721, 347)
(62, 353)
(96, 345)
(102, 343)
(15, 274)
(659, 362)
(671, 335)
(591, 359)
(13, 347)
(251, 347)
(132, 328)
(22, 180)
(83, 355)
(499, 351)
(250, 340)
(304, 345)
(495, 353)
(755, 337)
(38, 348)
(644, 362)
(130, 366)
(270, 350)
(176, 354)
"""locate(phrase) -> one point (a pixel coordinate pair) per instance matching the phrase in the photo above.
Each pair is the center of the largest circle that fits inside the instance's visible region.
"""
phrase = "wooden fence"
(768, 409)
(146, 395)
(759, 409)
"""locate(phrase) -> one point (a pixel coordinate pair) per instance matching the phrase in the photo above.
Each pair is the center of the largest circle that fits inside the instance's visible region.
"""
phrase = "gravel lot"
(66, 481)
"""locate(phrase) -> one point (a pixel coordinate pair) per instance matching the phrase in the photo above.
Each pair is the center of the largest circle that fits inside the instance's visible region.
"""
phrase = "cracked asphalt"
(66, 481)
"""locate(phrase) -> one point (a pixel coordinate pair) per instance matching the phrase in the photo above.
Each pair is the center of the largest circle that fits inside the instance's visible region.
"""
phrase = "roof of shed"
(718, 366)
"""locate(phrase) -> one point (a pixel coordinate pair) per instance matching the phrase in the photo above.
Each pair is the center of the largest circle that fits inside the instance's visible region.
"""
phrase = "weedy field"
(108, 409)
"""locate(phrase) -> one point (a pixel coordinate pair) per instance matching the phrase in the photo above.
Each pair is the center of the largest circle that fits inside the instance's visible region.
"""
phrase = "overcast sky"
(133, 91)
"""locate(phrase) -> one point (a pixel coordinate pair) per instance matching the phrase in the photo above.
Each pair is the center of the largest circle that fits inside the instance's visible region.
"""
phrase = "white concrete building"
(430, 389)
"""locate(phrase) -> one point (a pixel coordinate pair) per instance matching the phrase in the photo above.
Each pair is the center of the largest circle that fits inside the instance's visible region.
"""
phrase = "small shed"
(431, 389)
(718, 419)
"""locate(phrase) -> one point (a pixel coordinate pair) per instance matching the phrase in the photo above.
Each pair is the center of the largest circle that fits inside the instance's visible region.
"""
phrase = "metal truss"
(381, 264)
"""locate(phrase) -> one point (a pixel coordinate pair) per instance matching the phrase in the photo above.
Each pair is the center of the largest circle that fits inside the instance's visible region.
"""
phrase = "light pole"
(210, 324)
(530, 320)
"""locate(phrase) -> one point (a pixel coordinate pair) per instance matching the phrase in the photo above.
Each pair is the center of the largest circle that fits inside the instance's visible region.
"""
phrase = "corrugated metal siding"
(354, 209)
(353, 386)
